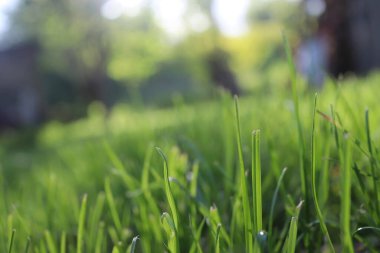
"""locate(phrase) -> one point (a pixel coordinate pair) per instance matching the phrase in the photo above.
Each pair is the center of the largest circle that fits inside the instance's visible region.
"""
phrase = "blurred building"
(20, 94)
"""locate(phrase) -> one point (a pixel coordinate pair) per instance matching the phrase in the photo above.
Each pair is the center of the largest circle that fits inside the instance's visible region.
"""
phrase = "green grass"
(215, 185)
(313, 181)
(248, 228)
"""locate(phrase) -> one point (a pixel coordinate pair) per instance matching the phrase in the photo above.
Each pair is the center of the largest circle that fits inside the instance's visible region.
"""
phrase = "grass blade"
(128, 180)
(274, 200)
(11, 241)
(324, 184)
(196, 247)
(94, 219)
(244, 189)
(111, 204)
(313, 180)
(170, 198)
(132, 247)
(50, 242)
(99, 238)
(373, 166)
(149, 201)
(63, 242)
(82, 218)
(27, 245)
(375, 229)
(256, 183)
(115, 250)
(169, 226)
(301, 142)
(215, 220)
(168, 190)
(217, 238)
(346, 201)
(291, 240)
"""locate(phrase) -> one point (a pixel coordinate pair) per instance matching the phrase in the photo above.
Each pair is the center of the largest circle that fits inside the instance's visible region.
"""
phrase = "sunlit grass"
(209, 192)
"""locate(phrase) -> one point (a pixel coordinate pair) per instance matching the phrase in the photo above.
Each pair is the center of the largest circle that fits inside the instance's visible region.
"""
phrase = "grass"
(248, 229)
(313, 181)
(197, 194)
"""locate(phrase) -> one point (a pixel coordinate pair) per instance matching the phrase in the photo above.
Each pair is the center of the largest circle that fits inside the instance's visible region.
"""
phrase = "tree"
(88, 50)
(73, 39)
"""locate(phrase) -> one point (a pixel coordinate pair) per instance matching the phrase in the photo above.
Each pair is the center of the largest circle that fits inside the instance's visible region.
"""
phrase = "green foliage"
(191, 200)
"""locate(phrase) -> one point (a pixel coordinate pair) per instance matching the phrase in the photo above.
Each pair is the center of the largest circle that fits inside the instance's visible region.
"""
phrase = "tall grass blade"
(11, 241)
(324, 184)
(228, 142)
(345, 209)
(50, 242)
(82, 218)
(63, 243)
(301, 142)
(168, 190)
(256, 183)
(27, 245)
(313, 179)
(112, 205)
(244, 189)
(274, 200)
(149, 203)
(373, 165)
(172, 206)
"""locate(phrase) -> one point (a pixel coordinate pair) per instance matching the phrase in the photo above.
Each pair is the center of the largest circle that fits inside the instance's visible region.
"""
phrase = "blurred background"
(57, 57)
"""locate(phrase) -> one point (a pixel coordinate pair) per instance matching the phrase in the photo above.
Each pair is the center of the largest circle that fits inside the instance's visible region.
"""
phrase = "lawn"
(200, 177)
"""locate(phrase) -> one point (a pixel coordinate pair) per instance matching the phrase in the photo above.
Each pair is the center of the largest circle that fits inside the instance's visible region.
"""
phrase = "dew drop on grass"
(262, 239)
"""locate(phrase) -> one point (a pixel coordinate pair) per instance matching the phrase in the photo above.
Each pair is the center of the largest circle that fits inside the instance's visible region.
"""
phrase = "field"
(200, 177)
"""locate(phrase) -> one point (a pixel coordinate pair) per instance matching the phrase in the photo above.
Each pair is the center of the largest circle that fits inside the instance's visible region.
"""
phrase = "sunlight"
(230, 16)
(6, 7)
(113, 9)
(199, 22)
(169, 14)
